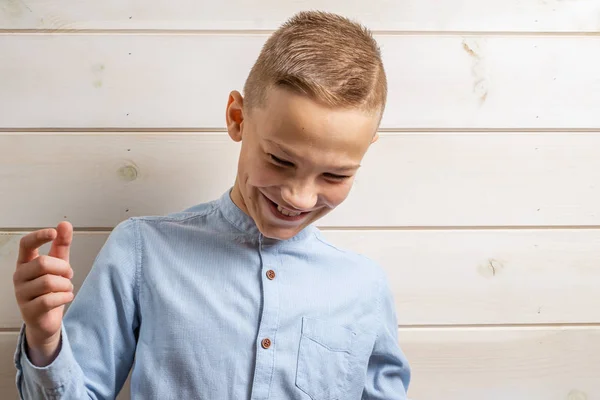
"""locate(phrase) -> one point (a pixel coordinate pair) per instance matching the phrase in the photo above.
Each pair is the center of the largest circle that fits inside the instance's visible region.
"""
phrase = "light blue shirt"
(213, 310)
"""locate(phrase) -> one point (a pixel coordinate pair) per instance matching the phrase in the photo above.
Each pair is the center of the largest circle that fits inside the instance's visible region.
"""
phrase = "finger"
(41, 266)
(43, 285)
(29, 245)
(61, 246)
(50, 301)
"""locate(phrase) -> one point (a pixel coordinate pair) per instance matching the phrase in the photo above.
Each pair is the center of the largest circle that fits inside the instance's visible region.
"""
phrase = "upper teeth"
(287, 212)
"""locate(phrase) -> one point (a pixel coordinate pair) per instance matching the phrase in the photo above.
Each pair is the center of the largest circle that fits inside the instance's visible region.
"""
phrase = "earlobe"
(375, 138)
(234, 115)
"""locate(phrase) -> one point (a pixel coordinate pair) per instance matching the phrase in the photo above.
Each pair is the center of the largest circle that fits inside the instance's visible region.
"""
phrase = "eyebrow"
(290, 153)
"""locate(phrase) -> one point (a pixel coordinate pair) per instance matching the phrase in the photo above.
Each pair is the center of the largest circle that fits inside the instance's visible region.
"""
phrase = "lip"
(273, 207)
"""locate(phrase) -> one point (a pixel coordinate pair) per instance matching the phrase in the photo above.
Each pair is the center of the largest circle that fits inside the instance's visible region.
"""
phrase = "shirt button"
(271, 274)
(266, 343)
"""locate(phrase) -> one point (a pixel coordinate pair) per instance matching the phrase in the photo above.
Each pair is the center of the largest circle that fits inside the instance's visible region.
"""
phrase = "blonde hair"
(324, 56)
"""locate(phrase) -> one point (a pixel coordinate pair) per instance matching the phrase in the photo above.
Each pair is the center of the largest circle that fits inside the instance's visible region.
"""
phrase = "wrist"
(42, 351)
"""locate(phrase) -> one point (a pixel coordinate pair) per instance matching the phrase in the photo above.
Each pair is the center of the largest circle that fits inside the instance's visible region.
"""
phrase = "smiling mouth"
(284, 213)
(288, 212)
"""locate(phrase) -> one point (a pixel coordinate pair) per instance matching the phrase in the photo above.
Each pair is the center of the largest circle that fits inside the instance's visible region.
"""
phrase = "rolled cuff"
(53, 376)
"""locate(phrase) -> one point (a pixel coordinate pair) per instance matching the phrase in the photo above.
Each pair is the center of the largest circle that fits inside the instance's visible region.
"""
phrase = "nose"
(301, 196)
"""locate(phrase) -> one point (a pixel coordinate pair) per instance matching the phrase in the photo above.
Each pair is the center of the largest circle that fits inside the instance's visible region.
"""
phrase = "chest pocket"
(323, 359)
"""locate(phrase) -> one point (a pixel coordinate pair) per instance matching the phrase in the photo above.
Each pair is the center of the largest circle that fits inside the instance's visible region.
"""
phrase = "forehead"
(294, 120)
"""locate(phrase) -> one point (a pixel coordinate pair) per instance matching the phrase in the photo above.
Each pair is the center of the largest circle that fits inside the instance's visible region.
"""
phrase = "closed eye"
(336, 177)
(281, 162)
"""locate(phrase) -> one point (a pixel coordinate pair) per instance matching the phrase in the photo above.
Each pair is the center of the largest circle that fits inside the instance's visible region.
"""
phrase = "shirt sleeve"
(388, 371)
(99, 330)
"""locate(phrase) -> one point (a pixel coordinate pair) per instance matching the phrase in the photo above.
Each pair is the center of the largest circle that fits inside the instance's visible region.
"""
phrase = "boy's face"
(298, 159)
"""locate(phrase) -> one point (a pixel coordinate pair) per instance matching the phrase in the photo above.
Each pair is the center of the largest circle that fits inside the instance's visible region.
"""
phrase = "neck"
(236, 197)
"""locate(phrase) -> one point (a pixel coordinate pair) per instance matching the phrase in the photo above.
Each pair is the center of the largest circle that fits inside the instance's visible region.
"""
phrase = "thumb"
(61, 246)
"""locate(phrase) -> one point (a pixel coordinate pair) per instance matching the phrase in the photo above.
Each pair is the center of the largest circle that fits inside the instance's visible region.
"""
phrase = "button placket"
(265, 355)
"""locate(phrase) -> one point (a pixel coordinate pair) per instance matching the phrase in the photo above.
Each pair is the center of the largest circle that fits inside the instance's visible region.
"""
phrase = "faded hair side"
(324, 56)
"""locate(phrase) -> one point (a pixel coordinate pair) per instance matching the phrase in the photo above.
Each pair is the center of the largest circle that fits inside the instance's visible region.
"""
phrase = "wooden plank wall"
(480, 200)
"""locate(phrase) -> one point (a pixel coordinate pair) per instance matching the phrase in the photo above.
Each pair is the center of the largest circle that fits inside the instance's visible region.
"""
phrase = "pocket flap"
(334, 337)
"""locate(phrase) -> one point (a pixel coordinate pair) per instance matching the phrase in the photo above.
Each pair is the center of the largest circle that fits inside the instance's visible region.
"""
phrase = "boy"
(239, 298)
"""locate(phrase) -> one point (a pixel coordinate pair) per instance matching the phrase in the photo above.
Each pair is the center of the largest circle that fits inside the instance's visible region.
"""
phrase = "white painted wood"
(8, 343)
(471, 363)
(172, 81)
(504, 363)
(517, 276)
(437, 277)
(411, 179)
(411, 15)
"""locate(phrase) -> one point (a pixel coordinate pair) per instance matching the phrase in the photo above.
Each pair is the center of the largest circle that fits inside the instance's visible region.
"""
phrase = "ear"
(234, 115)
(375, 138)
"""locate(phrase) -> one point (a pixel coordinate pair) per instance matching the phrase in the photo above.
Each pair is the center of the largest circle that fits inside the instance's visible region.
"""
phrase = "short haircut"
(327, 57)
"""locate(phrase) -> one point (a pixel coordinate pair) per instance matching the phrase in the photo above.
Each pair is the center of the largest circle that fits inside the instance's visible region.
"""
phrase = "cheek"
(336, 194)
(263, 176)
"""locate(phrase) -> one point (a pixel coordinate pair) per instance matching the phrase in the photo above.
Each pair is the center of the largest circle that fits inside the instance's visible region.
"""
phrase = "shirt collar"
(244, 223)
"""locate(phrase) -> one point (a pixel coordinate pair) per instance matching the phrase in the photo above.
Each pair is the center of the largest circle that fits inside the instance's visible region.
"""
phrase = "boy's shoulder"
(196, 211)
(351, 258)
(353, 269)
(140, 226)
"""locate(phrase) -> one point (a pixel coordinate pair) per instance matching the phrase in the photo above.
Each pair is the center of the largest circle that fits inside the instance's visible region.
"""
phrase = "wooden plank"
(471, 277)
(405, 15)
(150, 81)
(8, 343)
(445, 277)
(504, 363)
(472, 363)
(441, 179)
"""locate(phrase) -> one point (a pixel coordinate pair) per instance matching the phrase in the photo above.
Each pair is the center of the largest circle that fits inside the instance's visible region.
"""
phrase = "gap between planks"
(75, 31)
(480, 327)
(387, 131)
(361, 228)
